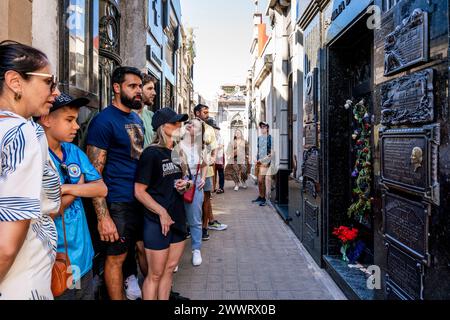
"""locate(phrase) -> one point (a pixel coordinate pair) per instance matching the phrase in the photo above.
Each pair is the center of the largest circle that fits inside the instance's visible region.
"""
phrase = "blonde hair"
(160, 141)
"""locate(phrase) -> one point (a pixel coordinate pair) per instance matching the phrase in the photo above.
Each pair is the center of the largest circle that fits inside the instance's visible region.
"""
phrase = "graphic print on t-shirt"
(136, 139)
(168, 168)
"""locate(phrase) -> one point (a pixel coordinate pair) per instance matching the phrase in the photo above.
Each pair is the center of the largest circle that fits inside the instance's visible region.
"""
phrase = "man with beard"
(201, 112)
(114, 144)
(146, 113)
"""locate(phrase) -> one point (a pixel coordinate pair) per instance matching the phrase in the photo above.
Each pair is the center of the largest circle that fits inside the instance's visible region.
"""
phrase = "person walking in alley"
(201, 112)
(114, 144)
(263, 162)
(79, 179)
(238, 161)
(219, 163)
(191, 148)
(29, 187)
(159, 187)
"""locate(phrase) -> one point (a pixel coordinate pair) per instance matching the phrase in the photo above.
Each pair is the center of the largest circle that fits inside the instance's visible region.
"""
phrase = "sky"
(223, 32)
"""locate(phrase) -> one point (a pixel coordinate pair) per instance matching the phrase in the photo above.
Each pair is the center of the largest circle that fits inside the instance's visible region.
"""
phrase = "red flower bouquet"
(346, 235)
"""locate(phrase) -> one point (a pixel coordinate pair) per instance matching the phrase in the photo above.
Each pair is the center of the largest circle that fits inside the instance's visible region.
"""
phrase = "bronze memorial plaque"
(409, 160)
(311, 216)
(406, 224)
(408, 100)
(310, 167)
(404, 272)
(310, 188)
(407, 44)
(310, 135)
(310, 109)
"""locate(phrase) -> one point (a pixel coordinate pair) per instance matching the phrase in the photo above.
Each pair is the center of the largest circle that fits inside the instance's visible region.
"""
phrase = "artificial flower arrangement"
(362, 171)
(350, 249)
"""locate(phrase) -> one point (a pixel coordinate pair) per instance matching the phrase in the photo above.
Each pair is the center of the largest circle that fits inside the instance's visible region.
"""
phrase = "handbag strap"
(196, 175)
(65, 239)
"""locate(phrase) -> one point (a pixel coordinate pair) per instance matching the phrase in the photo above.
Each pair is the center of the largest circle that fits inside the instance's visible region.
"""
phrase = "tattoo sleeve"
(97, 157)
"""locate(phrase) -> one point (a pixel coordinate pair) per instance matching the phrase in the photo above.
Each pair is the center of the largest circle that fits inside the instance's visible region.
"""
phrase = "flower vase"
(344, 248)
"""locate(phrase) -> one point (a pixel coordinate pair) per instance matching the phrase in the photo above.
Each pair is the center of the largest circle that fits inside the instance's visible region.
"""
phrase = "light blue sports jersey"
(79, 243)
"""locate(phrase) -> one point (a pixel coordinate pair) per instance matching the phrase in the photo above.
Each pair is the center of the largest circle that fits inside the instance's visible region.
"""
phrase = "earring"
(17, 96)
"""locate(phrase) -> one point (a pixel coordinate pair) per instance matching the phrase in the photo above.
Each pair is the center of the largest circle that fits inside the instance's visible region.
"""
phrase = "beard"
(131, 103)
(148, 102)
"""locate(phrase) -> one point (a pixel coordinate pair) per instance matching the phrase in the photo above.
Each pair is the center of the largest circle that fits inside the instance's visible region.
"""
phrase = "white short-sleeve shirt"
(29, 189)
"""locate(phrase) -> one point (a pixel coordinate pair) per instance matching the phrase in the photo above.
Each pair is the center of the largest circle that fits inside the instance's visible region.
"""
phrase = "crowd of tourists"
(150, 177)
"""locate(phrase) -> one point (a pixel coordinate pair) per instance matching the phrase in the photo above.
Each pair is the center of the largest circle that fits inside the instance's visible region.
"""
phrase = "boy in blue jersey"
(78, 178)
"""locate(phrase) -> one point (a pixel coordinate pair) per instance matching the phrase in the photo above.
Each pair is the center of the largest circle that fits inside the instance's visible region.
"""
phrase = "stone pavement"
(257, 257)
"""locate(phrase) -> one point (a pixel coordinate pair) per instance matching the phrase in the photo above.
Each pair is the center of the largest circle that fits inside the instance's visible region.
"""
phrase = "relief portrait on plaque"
(416, 158)
(409, 160)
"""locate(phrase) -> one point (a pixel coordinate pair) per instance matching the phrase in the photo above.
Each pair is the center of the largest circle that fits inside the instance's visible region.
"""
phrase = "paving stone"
(267, 295)
(257, 257)
(248, 295)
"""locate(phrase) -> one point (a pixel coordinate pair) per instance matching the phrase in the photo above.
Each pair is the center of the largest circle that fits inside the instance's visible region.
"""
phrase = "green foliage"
(362, 172)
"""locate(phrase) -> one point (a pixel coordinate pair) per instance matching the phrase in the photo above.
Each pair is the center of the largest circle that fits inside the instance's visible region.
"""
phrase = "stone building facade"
(232, 113)
(367, 83)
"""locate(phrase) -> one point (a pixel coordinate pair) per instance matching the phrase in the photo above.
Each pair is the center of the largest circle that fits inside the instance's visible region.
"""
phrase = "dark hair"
(146, 78)
(119, 74)
(199, 107)
(20, 58)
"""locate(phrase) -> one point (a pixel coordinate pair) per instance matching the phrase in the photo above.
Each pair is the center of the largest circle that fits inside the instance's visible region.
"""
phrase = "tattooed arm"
(106, 227)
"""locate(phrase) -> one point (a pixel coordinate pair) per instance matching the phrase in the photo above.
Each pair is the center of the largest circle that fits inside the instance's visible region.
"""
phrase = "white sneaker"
(244, 185)
(132, 290)
(196, 257)
(176, 269)
(236, 188)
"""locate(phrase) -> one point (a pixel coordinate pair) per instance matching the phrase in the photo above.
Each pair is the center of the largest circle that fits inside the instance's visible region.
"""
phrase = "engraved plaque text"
(408, 44)
(405, 272)
(310, 165)
(406, 224)
(311, 216)
(408, 100)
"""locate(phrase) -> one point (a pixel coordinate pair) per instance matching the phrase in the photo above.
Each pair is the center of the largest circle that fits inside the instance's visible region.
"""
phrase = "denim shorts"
(155, 240)
(208, 184)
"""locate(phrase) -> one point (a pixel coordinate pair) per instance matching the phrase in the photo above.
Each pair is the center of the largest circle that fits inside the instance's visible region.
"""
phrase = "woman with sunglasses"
(29, 183)
(159, 186)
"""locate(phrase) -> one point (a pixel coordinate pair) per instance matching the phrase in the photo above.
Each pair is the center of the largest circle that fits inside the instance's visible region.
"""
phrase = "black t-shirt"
(157, 171)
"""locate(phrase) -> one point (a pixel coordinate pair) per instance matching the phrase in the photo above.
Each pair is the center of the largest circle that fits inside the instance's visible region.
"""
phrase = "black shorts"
(127, 216)
(155, 240)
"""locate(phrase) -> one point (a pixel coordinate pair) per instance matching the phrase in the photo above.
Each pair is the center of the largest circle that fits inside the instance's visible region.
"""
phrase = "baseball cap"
(263, 123)
(212, 123)
(167, 115)
(65, 100)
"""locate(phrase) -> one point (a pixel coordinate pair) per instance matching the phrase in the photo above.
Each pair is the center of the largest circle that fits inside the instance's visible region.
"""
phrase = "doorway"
(350, 78)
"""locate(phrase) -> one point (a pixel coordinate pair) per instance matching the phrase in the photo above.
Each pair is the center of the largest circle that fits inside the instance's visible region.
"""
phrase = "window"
(389, 4)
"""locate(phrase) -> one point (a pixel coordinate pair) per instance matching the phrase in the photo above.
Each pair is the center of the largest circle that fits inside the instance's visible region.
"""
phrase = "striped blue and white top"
(29, 190)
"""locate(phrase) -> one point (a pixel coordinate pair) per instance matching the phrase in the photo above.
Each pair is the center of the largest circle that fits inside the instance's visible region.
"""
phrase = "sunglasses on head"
(51, 77)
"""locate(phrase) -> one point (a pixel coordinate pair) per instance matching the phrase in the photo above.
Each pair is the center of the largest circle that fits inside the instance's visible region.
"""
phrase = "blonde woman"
(193, 154)
(159, 187)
